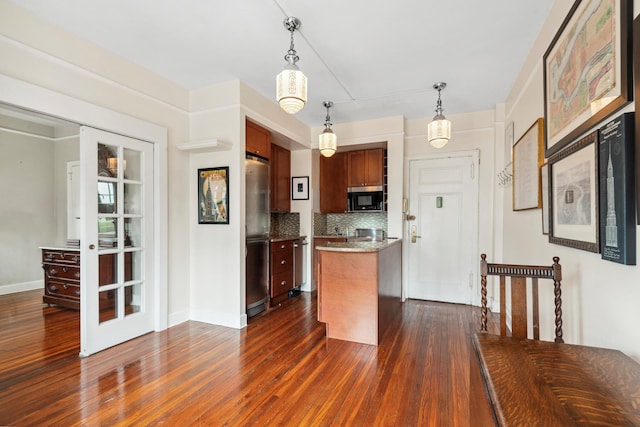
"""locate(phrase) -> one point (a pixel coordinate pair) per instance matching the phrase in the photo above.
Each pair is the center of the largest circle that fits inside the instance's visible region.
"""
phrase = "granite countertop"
(285, 237)
(358, 246)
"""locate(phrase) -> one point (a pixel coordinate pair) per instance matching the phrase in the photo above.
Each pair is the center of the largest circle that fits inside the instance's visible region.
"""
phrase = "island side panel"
(389, 286)
(348, 295)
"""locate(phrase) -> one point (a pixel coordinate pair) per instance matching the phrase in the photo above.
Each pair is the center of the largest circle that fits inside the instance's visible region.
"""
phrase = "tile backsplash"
(285, 224)
(325, 224)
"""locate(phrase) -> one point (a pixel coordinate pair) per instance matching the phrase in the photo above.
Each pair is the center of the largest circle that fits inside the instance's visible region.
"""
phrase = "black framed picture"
(573, 195)
(617, 191)
(300, 188)
(213, 195)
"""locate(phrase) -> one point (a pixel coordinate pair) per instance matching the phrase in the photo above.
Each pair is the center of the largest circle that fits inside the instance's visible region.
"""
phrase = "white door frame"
(475, 267)
(45, 101)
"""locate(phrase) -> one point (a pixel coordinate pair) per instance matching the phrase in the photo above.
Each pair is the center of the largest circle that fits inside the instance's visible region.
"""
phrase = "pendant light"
(291, 83)
(328, 141)
(439, 130)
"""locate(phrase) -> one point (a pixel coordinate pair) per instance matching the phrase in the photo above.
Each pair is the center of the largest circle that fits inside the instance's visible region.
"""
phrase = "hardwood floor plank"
(280, 370)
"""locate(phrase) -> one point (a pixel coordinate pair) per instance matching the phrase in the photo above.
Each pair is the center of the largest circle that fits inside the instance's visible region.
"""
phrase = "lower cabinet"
(62, 277)
(321, 241)
(282, 278)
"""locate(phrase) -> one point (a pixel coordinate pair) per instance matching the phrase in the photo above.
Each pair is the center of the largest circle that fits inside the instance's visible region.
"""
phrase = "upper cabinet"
(365, 168)
(333, 183)
(258, 140)
(280, 162)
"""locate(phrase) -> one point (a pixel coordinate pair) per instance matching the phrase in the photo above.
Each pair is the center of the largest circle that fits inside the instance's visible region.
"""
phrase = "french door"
(116, 239)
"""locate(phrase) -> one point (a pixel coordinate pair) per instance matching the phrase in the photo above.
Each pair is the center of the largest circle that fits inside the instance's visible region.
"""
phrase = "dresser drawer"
(61, 272)
(61, 257)
(281, 261)
(284, 246)
(62, 288)
(281, 283)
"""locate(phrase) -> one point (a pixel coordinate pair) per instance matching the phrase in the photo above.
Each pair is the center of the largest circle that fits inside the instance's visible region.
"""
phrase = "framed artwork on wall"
(617, 191)
(544, 187)
(300, 188)
(213, 195)
(573, 195)
(527, 159)
(586, 70)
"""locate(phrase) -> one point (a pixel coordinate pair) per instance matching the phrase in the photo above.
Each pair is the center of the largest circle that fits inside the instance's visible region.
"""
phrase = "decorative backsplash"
(285, 224)
(325, 224)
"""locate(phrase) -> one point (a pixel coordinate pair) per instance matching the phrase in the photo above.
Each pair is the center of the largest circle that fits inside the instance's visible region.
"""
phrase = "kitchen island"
(359, 288)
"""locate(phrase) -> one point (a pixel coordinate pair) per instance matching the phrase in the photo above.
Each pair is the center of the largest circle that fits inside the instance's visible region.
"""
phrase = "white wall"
(600, 298)
(27, 213)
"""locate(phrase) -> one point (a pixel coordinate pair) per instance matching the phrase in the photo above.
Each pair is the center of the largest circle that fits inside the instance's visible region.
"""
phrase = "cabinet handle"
(53, 271)
(65, 269)
(282, 246)
(66, 286)
(283, 283)
(78, 293)
(53, 288)
(77, 274)
(283, 262)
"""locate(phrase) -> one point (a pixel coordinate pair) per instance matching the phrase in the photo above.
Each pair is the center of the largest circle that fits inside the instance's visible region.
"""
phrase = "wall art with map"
(586, 70)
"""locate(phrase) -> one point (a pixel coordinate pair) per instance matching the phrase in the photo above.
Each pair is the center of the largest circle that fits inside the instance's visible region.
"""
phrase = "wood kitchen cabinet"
(62, 277)
(258, 140)
(282, 277)
(365, 168)
(280, 194)
(321, 241)
(333, 183)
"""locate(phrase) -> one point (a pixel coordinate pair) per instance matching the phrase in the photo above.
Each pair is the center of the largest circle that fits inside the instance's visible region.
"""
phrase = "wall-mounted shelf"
(205, 145)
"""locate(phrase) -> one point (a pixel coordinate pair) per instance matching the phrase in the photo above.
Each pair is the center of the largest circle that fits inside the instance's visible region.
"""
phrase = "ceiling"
(371, 58)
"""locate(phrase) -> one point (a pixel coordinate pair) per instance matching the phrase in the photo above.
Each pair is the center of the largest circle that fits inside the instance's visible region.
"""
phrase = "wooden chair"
(518, 275)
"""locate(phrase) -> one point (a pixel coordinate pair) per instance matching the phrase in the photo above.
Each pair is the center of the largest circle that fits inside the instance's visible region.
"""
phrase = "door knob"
(414, 234)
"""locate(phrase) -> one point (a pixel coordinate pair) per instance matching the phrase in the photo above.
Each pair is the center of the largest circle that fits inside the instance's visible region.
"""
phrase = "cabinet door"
(280, 197)
(258, 140)
(356, 169)
(333, 183)
(374, 166)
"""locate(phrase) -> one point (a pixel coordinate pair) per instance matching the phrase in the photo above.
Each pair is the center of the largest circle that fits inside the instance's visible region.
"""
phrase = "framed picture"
(213, 195)
(527, 159)
(300, 188)
(586, 70)
(544, 187)
(617, 191)
(636, 92)
(573, 195)
(508, 144)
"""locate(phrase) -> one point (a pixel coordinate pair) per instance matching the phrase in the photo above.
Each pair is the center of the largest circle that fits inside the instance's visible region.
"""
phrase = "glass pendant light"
(439, 130)
(328, 141)
(291, 83)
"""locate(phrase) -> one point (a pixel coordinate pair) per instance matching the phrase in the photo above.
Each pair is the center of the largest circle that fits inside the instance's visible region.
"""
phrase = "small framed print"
(300, 188)
(213, 195)
(544, 175)
(527, 158)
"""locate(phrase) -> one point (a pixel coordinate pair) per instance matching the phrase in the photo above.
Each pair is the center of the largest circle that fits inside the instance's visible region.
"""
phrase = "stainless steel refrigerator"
(257, 232)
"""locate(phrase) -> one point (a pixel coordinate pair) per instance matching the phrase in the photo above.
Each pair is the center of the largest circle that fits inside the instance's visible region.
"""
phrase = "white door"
(116, 238)
(443, 235)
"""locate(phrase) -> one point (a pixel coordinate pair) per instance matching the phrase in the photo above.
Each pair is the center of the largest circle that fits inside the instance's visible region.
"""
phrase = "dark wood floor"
(280, 370)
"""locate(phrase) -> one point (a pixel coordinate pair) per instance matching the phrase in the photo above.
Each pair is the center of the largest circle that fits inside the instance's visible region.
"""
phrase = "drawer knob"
(283, 283)
(66, 286)
(78, 292)
(283, 262)
(282, 246)
(53, 271)
(53, 288)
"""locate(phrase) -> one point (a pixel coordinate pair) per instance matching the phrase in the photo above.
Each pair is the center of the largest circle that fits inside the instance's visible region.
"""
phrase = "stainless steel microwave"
(369, 199)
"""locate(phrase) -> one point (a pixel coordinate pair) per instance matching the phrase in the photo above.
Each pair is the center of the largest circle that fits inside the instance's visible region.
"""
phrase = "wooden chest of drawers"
(62, 277)
(281, 270)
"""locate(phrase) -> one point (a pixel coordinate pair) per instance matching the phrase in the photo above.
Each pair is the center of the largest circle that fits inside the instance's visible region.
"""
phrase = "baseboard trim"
(21, 287)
